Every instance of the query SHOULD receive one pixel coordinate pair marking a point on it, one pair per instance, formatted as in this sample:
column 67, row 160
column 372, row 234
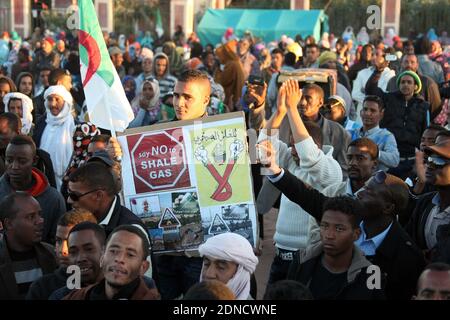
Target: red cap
column 50, row 40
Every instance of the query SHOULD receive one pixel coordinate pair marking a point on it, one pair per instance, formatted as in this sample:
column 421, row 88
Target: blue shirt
column 370, row 246
column 388, row 155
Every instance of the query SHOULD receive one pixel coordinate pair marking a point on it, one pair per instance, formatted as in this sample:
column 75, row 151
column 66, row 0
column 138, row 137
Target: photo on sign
column 145, row 207
column 229, row 218
column 158, row 161
column 221, row 164
column 175, row 224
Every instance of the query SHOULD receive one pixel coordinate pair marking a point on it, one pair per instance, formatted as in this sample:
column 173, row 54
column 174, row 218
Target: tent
column 268, row 25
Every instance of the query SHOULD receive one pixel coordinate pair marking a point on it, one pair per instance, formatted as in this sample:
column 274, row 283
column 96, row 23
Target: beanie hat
column 50, row 41
column 415, row 77
column 327, row 56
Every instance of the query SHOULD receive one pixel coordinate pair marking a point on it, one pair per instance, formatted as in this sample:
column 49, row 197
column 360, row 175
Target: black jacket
column 306, row 261
column 42, row 288
column 43, row 163
column 121, row 216
column 39, row 129
column 430, row 92
column 416, row 229
column 8, row 287
column 416, row 224
column 397, row 256
column 407, row 120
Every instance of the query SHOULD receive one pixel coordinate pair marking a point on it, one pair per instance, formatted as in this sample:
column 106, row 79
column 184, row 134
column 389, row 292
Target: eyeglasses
column 437, row 161
column 76, row 196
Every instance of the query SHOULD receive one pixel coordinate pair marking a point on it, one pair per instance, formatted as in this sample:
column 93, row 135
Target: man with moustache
column 86, row 244
column 335, row 268
column 430, row 222
column 382, row 239
column 42, row 288
column 23, row 257
column 123, row 264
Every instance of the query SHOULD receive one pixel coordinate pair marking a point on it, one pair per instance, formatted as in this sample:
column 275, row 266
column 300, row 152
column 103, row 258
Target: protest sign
column 190, row 180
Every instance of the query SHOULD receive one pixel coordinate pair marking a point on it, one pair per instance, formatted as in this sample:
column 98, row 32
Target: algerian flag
column 159, row 28
column 106, row 101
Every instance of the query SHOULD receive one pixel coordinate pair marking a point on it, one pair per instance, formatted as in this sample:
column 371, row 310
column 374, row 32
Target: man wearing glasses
column 430, row 223
column 382, row 239
column 92, row 187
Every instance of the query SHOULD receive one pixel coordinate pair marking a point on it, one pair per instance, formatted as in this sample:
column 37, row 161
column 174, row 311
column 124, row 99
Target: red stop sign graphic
column 159, row 162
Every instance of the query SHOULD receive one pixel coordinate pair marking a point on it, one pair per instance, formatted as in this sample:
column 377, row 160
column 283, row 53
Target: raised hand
column 293, row 94
column 258, row 93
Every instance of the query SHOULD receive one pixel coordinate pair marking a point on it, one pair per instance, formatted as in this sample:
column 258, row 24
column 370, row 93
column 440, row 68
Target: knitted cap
column 327, row 56
column 415, row 77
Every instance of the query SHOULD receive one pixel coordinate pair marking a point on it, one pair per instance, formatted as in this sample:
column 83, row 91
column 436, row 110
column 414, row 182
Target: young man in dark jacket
column 10, row 126
column 23, row 257
column 335, row 268
column 429, row 225
column 20, row 175
column 383, row 241
column 406, row 115
column 93, row 187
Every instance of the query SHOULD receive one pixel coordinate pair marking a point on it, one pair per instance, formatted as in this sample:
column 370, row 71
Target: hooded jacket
column 167, row 82
column 232, row 78
column 51, row 201
column 307, row 260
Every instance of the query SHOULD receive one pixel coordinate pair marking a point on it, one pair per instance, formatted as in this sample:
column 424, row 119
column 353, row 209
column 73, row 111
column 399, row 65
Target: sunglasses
column 76, row 197
column 437, row 162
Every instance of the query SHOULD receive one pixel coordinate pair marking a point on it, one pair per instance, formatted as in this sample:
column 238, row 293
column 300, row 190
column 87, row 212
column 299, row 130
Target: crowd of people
column 360, row 175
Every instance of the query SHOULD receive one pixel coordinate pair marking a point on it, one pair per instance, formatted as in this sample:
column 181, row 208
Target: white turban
column 61, row 91
column 235, row 248
column 57, row 138
column 27, row 108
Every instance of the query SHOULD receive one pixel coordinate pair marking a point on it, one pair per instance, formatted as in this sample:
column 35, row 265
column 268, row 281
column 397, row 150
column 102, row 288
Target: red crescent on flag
column 93, row 51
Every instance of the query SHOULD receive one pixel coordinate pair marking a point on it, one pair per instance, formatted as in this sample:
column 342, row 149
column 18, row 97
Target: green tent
column 268, row 25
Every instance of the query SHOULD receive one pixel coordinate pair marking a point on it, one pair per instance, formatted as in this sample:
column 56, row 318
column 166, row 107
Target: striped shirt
column 166, row 85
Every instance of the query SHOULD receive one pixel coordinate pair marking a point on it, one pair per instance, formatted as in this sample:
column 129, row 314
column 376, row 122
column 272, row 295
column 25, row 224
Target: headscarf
column 84, row 132
column 175, row 59
column 363, row 37
column 57, row 136
column 153, row 107
column 130, row 94
column 122, row 41
column 235, row 248
column 27, row 108
column 431, row 35
column 324, row 41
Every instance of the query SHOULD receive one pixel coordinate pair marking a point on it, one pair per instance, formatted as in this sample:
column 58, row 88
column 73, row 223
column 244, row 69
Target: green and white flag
column 106, row 101
column 159, row 27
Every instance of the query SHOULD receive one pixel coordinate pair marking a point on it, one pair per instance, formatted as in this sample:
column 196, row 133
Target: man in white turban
column 229, row 258
column 21, row 105
column 54, row 134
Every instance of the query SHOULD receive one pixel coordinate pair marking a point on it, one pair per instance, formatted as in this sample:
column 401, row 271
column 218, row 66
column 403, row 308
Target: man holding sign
column 177, row 273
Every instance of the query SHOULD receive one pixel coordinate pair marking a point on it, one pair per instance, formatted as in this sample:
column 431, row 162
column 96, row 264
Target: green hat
column 415, row 77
